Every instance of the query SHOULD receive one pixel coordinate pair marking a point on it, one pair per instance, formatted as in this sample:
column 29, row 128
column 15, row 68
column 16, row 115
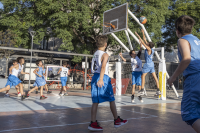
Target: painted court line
column 150, row 116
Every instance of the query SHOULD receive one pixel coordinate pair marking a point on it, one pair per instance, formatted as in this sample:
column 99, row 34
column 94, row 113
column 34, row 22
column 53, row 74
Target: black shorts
column 191, row 122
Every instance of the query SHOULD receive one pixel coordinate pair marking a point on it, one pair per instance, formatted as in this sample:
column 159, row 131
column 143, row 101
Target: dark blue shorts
column 136, row 78
column 191, row 122
column 104, row 93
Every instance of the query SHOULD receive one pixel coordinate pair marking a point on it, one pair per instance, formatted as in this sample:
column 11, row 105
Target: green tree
column 178, row 8
column 77, row 22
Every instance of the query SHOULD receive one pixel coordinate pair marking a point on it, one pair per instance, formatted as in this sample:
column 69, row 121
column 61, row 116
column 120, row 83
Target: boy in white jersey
column 20, row 61
column 189, row 56
column 101, row 87
column 136, row 65
column 64, row 72
column 13, row 79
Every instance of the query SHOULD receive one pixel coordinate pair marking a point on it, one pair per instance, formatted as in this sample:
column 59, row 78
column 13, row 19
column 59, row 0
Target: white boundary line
column 150, row 116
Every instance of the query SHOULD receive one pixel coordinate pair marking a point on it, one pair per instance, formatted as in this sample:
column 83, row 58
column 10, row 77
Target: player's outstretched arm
column 59, row 70
column 147, row 47
column 144, row 37
column 184, row 47
column 120, row 54
column 104, row 60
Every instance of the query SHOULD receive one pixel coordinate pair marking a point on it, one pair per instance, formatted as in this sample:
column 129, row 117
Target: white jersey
column 20, row 68
column 136, row 64
column 64, row 72
column 15, row 72
column 96, row 62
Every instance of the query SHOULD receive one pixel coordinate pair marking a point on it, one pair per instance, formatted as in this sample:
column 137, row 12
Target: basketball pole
column 116, row 38
column 149, row 39
column 128, row 38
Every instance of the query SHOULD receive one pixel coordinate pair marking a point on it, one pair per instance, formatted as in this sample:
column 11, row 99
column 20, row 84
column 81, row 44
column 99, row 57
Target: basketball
column 143, row 19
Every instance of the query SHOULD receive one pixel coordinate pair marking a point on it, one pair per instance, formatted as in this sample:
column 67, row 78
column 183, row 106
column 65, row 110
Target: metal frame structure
column 51, row 52
column 137, row 40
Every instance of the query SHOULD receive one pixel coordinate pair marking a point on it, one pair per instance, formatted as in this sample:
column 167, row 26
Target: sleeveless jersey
column 64, row 72
column 136, row 64
column 149, row 58
column 96, row 62
column 40, row 72
column 15, row 72
column 194, row 65
column 20, row 68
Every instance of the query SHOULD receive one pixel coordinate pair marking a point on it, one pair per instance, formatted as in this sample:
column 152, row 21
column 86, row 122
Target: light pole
column 32, row 35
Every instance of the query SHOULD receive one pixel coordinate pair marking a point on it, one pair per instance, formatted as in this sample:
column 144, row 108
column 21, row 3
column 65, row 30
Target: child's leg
column 17, row 88
column 113, row 109
column 46, row 87
column 35, row 88
column 21, row 88
column 5, row 88
column 196, row 126
column 133, row 89
column 41, row 90
column 94, row 111
column 143, row 79
column 156, row 79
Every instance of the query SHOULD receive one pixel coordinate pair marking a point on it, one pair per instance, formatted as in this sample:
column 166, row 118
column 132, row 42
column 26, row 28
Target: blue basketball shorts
column 148, row 69
column 63, row 81
column 190, row 105
column 40, row 81
column 13, row 81
column 136, row 77
column 103, row 94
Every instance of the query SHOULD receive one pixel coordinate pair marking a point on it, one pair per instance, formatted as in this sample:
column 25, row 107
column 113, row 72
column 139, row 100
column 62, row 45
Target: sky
column 1, row 5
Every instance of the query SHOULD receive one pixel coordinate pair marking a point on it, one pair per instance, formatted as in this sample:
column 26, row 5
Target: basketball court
column 72, row 114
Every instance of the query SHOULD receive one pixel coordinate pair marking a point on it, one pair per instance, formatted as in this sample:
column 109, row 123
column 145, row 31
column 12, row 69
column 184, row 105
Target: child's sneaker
column 60, row 94
column 140, row 99
column 48, row 92
column 65, row 94
column 119, row 122
column 132, row 99
column 23, row 97
column 42, row 97
column 94, row 126
column 27, row 96
column 141, row 92
column 158, row 93
column 19, row 94
column 6, row 95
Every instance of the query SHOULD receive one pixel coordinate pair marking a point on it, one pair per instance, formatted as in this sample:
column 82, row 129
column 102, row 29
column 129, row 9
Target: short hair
column 19, row 58
column 151, row 44
column 184, row 24
column 101, row 40
column 64, row 63
column 131, row 52
column 37, row 62
column 15, row 61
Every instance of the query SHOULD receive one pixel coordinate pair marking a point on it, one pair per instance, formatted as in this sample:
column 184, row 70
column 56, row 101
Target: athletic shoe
column 48, row 92
column 42, row 97
column 141, row 92
column 140, row 99
column 65, row 94
column 119, row 122
column 19, row 94
column 132, row 99
column 36, row 92
column 27, row 96
column 158, row 93
column 23, row 97
column 6, row 95
column 94, row 126
column 60, row 94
